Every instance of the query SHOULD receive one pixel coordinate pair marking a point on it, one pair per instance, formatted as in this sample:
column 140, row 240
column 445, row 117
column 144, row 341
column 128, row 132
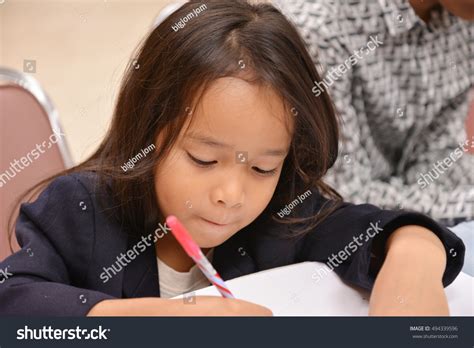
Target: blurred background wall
column 78, row 51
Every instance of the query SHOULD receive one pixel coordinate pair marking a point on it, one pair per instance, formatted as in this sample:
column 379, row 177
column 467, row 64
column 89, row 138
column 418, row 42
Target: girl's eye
column 210, row 163
column 265, row 172
column 199, row 162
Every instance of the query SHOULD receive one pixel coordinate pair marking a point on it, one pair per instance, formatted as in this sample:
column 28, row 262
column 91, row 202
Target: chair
column 28, row 122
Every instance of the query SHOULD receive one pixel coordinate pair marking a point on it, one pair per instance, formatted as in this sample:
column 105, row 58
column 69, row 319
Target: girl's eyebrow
column 210, row 141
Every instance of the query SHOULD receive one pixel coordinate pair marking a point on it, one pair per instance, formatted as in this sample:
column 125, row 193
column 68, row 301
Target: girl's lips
column 213, row 223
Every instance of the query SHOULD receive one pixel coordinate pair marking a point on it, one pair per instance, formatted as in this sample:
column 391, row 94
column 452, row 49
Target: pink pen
column 194, row 251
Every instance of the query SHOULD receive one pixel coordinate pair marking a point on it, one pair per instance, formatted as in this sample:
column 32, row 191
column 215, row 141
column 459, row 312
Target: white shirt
column 174, row 283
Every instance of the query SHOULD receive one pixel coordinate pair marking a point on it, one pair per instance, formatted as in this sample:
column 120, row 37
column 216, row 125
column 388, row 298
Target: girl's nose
column 230, row 193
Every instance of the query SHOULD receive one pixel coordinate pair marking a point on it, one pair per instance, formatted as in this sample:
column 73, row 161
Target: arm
column 203, row 306
column 48, row 275
column 362, row 173
column 404, row 258
column 410, row 280
column 357, row 173
column 440, row 160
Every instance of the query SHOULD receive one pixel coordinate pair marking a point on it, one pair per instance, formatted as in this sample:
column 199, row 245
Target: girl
column 223, row 92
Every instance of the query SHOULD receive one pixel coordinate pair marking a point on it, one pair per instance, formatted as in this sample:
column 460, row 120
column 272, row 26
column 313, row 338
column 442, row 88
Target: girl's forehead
column 236, row 107
column 234, row 96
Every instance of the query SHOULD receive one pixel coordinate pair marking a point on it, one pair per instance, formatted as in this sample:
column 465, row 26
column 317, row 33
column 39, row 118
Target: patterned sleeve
column 357, row 173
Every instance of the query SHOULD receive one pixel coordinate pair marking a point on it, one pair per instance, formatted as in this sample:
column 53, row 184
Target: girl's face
column 223, row 170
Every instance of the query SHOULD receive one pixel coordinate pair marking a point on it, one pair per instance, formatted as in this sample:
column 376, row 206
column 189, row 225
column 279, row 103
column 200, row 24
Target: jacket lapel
column 231, row 259
column 141, row 275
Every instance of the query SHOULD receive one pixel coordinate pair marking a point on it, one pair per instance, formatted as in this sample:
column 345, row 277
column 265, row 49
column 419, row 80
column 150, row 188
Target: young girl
column 217, row 124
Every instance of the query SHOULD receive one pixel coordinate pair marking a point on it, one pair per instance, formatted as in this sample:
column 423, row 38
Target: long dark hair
column 171, row 72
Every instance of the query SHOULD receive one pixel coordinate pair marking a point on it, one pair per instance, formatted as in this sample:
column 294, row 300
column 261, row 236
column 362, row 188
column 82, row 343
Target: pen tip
column 170, row 219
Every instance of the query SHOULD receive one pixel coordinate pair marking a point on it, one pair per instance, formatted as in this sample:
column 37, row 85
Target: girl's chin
column 210, row 241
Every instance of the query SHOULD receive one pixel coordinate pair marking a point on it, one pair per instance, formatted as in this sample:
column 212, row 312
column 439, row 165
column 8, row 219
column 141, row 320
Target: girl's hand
column 219, row 306
column 200, row 306
column 410, row 280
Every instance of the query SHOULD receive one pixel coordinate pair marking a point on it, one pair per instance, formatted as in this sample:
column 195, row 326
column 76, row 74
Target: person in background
column 400, row 73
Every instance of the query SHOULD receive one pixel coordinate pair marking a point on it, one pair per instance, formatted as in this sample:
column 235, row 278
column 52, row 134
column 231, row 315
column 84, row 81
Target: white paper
column 293, row 291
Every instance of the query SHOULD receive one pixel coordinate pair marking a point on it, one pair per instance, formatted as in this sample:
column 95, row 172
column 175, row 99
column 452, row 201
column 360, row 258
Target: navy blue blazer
column 67, row 242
